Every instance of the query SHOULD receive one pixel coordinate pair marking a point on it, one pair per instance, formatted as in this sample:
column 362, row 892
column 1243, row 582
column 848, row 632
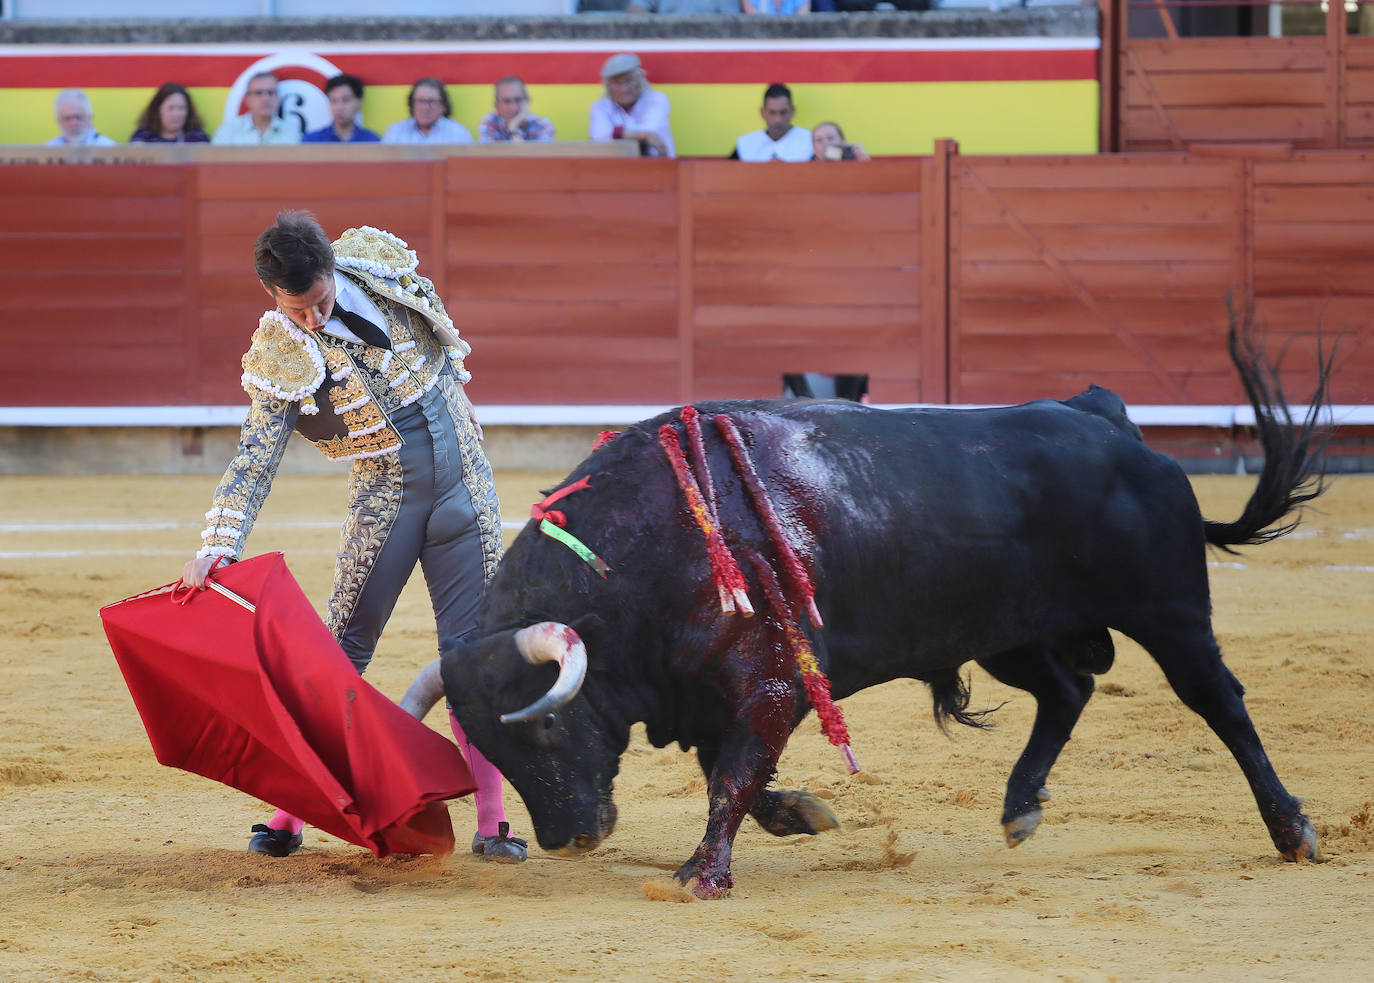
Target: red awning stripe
column 567, row 67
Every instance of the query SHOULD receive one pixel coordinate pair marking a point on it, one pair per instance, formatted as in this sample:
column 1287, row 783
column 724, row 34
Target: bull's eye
column 545, row 733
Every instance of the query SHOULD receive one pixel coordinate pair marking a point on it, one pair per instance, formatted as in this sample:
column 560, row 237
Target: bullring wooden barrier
column 1164, row 92
column 945, row 279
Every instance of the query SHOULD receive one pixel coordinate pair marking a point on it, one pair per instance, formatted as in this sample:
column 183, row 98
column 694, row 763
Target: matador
column 361, row 358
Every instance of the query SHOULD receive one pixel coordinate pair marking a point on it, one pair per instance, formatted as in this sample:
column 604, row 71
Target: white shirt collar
column 353, row 299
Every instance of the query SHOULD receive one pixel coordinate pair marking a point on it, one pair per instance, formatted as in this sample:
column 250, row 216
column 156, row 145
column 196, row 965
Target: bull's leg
column 1060, row 695
column 748, row 756
column 781, row 811
column 1192, row 664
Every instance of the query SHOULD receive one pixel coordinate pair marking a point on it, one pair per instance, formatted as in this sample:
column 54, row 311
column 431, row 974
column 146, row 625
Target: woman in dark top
column 170, row 117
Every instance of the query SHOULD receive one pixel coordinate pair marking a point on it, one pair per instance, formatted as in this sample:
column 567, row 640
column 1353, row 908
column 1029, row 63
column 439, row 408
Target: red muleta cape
column 266, row 701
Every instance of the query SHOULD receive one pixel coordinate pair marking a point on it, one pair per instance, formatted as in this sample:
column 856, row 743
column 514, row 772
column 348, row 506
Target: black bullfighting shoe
column 274, row 842
column 501, row 848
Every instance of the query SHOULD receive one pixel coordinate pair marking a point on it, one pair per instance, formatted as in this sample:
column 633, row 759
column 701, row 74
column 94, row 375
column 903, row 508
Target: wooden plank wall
column 94, row 285
column 563, row 276
column 1358, row 85
column 961, row 279
column 1313, row 257
column 1177, row 93
column 1113, row 270
column 811, row 269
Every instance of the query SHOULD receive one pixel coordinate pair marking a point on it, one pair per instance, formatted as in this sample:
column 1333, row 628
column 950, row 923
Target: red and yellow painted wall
column 896, row 97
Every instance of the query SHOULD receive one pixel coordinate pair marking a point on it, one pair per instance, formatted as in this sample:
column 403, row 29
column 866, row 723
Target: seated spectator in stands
column 683, row 7
column 345, row 94
column 630, row 110
column 779, row 139
column 828, row 143
column 170, row 117
column 261, row 124
column 74, row 116
column 429, row 117
column 775, row 6
column 511, row 119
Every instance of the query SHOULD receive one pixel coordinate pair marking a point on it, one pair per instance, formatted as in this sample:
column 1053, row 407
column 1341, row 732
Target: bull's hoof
column 708, row 890
column 1307, row 847
column 707, row 887
column 1018, row 830
column 1043, row 795
column 787, row 812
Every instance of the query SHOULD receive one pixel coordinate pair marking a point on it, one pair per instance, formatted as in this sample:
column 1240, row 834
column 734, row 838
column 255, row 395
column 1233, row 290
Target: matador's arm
column 248, row 479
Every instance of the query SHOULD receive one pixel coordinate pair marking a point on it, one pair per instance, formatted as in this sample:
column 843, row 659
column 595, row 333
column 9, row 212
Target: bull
column 1010, row 537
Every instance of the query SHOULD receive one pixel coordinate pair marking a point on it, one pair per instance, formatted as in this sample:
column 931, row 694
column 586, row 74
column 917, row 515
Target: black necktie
column 368, row 332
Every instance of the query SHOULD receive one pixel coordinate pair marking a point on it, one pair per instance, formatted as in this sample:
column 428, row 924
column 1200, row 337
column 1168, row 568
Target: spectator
column 630, row 110
column 779, row 140
column 261, row 124
column 345, row 94
column 170, row 117
column 429, row 117
column 683, row 7
column 512, row 119
column 828, row 142
column 74, row 116
column 776, row 6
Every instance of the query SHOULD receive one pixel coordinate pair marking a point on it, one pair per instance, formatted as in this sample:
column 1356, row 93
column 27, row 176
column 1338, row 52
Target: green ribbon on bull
column 554, row 531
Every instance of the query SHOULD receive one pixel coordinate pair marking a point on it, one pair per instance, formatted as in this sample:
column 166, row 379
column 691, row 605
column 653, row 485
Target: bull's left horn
column 424, row 692
column 550, row 641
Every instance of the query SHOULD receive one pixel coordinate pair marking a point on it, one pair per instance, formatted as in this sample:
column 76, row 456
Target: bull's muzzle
column 606, row 815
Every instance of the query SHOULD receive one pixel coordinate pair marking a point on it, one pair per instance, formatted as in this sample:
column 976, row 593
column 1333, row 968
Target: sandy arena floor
column 1152, row 862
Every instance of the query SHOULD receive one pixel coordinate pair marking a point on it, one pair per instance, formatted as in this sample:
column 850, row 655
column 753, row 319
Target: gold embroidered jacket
column 339, row 395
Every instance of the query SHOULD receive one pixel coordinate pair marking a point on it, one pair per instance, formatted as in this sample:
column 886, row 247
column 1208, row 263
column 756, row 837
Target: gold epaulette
column 374, row 251
column 283, row 362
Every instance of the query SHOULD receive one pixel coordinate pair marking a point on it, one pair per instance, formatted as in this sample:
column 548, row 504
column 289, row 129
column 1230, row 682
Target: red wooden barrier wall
column 959, row 279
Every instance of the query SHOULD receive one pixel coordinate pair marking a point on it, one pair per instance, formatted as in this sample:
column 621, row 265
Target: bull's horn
column 550, row 641
column 424, row 692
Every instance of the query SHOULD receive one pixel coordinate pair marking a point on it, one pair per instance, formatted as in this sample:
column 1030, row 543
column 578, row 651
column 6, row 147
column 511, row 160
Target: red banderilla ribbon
column 817, row 684
column 730, row 583
column 541, row 510
column 796, row 573
column 691, row 419
column 553, row 521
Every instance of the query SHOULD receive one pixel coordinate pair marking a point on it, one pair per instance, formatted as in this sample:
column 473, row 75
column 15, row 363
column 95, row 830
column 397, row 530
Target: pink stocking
column 490, row 809
column 284, row 820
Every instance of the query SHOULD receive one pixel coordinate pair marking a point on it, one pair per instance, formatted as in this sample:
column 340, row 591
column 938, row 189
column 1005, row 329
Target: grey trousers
column 431, row 501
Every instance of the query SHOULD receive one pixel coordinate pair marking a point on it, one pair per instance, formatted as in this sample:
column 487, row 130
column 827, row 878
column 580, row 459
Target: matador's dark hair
column 293, row 253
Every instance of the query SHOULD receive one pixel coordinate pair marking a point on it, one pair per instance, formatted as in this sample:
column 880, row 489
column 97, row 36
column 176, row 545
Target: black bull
column 1010, row 537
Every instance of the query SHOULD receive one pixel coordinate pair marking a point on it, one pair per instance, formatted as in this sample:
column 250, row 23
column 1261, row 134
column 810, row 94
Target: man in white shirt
column 630, row 110
column 261, row 124
column 429, row 117
column 779, row 140
column 74, row 116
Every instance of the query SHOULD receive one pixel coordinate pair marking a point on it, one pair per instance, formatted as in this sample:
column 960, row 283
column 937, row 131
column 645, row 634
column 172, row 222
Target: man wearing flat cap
column 631, row 110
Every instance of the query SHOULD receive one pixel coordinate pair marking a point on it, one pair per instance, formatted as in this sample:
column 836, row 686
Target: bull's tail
column 950, row 695
column 1294, row 471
